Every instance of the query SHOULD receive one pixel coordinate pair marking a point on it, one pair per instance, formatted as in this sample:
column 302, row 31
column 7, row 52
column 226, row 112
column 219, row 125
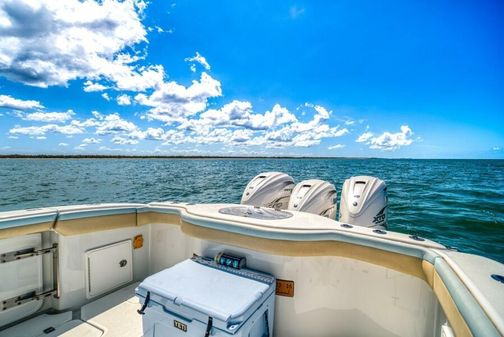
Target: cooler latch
column 209, row 327
column 141, row 311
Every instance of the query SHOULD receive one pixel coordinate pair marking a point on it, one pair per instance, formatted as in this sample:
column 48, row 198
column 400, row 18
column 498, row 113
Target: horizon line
column 102, row 156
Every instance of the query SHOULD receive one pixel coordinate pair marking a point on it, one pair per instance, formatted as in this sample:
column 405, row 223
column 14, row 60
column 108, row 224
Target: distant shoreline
column 48, row 156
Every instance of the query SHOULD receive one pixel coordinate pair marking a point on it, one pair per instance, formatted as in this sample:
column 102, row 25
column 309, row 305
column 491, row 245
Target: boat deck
column 114, row 315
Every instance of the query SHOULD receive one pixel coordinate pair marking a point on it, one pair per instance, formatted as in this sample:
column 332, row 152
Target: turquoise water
column 459, row 203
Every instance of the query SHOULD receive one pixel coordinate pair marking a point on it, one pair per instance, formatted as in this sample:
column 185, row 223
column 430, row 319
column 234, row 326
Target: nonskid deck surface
column 114, row 315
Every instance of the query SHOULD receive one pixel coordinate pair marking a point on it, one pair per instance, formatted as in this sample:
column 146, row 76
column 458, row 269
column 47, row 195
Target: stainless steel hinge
column 22, row 299
column 25, row 253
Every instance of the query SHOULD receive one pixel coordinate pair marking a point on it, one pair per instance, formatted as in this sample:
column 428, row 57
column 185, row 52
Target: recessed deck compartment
column 196, row 296
column 108, row 267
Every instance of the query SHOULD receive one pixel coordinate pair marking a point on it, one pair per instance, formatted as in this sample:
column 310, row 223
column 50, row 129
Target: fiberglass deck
column 114, row 315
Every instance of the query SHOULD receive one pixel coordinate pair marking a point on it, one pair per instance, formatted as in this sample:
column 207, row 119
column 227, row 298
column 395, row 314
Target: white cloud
column 366, row 136
column 277, row 116
column 388, row 141
column 128, row 78
column 300, row 134
column 392, row 141
column 113, row 124
column 47, row 43
column 97, row 115
column 124, row 140
column 91, row 141
column 49, row 117
column 123, row 100
column 10, row 102
column 106, row 96
column 234, row 113
column 91, row 87
column 63, row 144
column 35, row 131
column 235, row 123
column 240, row 114
column 337, row 146
column 123, row 131
column 198, row 59
column 172, row 100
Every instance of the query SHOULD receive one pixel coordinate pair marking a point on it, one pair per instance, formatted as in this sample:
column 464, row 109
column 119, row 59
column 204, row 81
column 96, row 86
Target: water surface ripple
column 459, row 203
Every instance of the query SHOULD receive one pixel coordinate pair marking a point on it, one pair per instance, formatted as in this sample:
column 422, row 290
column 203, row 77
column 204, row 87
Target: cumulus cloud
column 113, row 124
column 91, row 141
column 236, row 124
column 9, row 102
column 240, row 114
column 337, row 146
column 40, row 131
column 45, row 43
column 48, row 117
column 124, row 140
column 388, row 141
column 301, row 134
column 91, row 87
column 277, row 116
column 170, row 100
column 63, row 144
column 124, row 100
column 366, row 136
column 197, row 59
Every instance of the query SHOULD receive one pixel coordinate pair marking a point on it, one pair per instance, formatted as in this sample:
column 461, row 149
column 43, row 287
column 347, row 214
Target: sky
column 392, row 79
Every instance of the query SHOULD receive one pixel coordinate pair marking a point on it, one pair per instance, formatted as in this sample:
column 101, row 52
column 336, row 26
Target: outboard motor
column 314, row 196
column 269, row 189
column 364, row 202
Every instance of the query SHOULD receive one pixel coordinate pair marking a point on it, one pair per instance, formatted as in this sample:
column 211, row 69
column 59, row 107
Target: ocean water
column 459, row 203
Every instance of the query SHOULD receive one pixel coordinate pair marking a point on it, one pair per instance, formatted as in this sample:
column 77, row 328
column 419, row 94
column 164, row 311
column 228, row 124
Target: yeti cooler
column 198, row 297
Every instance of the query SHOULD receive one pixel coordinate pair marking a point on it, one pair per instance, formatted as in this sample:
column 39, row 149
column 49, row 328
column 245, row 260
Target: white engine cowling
column 364, row 202
column 314, row 196
column 269, row 189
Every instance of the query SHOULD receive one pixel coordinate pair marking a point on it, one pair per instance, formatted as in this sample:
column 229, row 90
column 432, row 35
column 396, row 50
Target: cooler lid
column 208, row 290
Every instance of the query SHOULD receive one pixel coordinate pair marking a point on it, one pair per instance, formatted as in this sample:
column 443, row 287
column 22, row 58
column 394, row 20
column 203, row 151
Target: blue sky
column 340, row 78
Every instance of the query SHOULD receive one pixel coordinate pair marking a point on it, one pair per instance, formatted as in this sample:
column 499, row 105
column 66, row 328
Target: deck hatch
column 108, row 267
